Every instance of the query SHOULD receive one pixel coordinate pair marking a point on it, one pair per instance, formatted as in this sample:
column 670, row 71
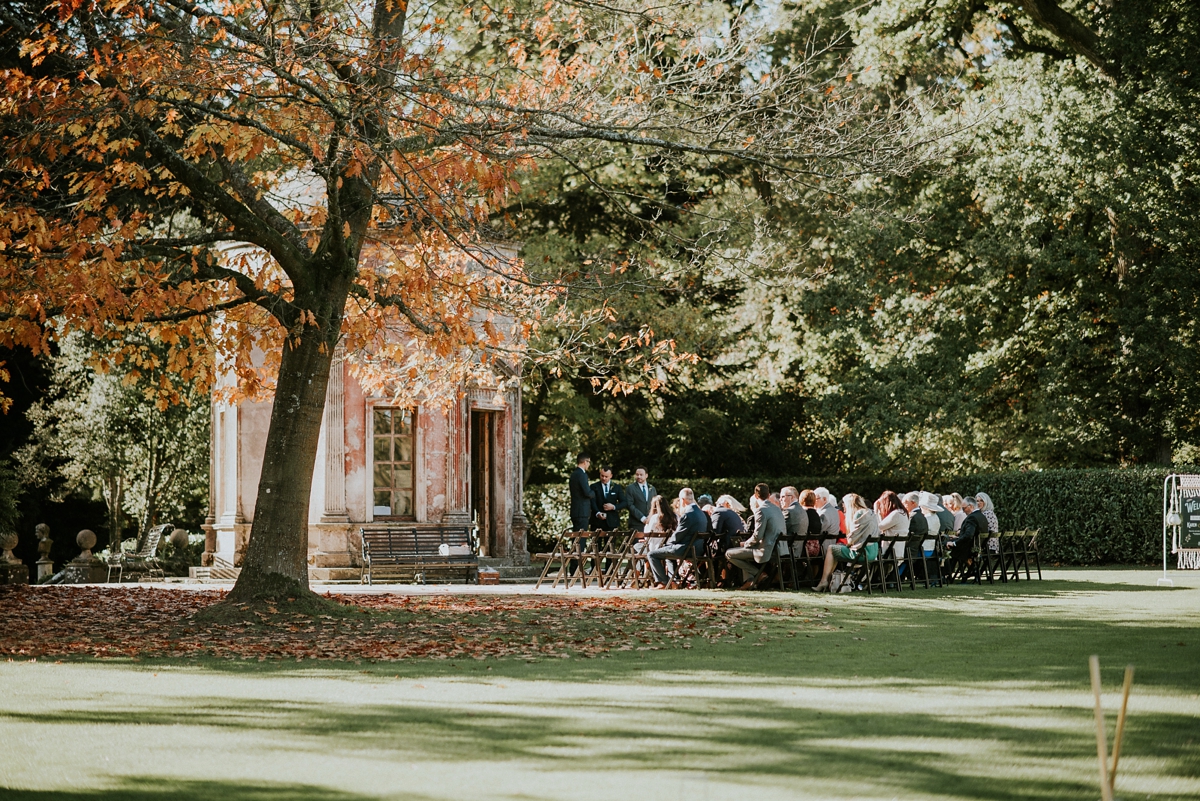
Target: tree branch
column 1051, row 17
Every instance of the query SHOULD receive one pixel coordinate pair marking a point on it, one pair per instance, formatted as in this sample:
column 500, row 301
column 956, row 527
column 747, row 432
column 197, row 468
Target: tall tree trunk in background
column 113, row 495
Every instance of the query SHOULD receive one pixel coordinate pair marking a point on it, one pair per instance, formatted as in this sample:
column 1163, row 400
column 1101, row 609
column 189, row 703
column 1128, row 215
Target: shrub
column 1099, row 516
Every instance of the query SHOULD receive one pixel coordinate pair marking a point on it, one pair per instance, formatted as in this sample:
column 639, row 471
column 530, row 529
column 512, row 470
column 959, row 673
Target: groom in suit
column 608, row 501
column 638, row 495
column 581, row 494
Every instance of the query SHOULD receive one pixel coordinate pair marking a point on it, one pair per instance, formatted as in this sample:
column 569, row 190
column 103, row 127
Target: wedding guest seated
column 830, row 519
column 705, row 502
column 727, row 521
column 692, row 524
column 758, row 549
column 808, row 499
column 953, row 504
column 728, row 529
column 944, row 515
column 795, row 515
column 988, row 510
column 933, row 513
column 893, row 519
column 660, row 521
column 918, row 524
column 985, row 507
column 862, row 545
column 974, row 525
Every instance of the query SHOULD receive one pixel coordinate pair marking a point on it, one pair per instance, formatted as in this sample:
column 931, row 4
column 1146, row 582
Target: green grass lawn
column 965, row 693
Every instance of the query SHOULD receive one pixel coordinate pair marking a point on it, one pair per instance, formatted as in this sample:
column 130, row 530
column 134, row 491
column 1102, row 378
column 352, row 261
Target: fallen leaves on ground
column 137, row 622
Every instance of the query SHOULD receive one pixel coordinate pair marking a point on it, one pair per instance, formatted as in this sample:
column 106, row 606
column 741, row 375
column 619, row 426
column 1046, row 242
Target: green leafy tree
column 1031, row 301
column 112, row 431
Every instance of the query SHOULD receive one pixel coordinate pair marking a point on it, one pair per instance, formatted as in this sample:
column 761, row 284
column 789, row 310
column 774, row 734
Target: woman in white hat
column 929, row 506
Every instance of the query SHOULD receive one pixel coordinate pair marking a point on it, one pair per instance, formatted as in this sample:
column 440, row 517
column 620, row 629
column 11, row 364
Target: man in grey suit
column 638, row 495
column 757, row 551
column 581, row 494
column 795, row 515
column 692, row 524
column 831, row 524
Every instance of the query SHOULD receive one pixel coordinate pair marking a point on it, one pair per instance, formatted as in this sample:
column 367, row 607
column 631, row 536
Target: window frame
column 412, row 462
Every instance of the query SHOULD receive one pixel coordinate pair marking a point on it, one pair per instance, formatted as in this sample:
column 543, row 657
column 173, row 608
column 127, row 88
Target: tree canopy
column 232, row 177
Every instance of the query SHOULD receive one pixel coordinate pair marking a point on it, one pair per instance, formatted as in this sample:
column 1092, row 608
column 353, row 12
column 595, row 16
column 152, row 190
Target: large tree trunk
column 277, row 554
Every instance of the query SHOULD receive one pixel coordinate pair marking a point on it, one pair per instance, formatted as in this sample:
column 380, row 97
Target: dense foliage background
column 1026, row 301
column 1016, row 315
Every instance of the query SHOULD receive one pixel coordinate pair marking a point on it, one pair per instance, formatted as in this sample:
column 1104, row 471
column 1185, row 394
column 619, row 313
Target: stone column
column 519, row 550
column 209, row 527
column 335, row 442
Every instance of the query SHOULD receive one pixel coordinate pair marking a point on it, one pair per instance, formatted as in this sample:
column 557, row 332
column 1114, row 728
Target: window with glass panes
column 393, row 475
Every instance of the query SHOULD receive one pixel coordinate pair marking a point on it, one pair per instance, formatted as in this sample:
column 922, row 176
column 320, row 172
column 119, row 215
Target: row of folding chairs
column 614, row 559
column 1006, row 555
column 618, row 560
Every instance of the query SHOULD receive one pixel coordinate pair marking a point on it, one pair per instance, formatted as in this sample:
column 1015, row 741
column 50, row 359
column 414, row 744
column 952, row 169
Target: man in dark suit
column 692, row 524
column 975, row 525
column 757, row 551
column 608, row 501
column 638, row 495
column 581, row 494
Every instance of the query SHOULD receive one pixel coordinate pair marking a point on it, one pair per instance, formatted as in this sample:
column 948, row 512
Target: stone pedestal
column 519, row 551
column 89, row 572
column 14, row 573
column 45, row 569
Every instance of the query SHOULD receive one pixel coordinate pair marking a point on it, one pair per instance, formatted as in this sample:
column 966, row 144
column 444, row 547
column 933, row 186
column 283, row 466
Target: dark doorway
column 483, row 480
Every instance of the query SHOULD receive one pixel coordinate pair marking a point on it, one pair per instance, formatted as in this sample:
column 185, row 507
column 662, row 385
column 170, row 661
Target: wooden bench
column 415, row 553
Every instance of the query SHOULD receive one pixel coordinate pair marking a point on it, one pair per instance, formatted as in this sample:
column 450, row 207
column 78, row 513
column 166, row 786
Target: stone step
column 221, row 574
column 334, row 574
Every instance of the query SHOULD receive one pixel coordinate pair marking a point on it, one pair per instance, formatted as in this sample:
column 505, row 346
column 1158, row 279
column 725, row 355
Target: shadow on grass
column 878, row 642
column 156, row 789
column 1029, row 756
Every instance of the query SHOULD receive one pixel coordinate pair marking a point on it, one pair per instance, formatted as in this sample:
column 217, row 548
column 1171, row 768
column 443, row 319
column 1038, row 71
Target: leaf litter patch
column 145, row 622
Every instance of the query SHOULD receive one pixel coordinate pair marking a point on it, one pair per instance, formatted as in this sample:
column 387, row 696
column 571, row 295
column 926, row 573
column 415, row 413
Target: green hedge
column 1086, row 517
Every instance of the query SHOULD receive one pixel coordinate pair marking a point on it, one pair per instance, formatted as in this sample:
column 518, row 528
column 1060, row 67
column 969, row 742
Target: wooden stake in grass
column 1116, row 755
column 1101, row 741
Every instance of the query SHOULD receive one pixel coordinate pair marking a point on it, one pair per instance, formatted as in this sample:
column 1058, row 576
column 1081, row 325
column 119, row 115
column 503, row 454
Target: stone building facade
column 377, row 465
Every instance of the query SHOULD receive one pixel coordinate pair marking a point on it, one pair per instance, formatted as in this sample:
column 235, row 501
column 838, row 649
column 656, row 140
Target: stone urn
column 8, row 541
column 86, row 540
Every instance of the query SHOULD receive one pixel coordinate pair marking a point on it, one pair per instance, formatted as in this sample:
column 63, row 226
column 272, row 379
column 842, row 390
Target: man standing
column 581, row 494
column 607, row 502
column 692, row 523
column 638, row 495
column 757, row 551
